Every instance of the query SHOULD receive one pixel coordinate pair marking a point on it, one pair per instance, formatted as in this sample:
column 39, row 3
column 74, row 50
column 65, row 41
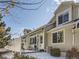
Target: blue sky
column 30, row 19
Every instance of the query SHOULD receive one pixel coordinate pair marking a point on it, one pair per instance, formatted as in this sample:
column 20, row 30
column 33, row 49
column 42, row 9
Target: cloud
column 59, row 1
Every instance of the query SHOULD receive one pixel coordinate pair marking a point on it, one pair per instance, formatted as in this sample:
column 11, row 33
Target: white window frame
column 63, row 37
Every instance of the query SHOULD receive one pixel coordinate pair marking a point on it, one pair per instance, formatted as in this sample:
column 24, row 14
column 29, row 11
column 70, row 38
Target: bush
column 26, row 57
column 55, row 52
column 70, row 54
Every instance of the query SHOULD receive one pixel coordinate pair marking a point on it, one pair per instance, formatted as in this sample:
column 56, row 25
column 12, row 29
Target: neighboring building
column 19, row 44
column 15, row 45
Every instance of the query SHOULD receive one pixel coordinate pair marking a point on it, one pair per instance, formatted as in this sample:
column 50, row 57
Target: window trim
column 63, row 37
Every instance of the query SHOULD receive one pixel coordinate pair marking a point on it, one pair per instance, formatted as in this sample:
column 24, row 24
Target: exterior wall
column 25, row 46
column 75, row 12
column 27, row 43
column 38, row 44
column 68, row 38
column 63, row 7
column 76, row 44
column 36, row 33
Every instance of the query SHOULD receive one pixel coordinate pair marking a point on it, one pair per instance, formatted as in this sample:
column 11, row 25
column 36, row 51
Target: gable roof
column 66, row 3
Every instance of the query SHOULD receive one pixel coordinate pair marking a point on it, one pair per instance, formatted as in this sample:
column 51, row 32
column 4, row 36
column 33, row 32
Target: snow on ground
column 43, row 55
column 29, row 51
column 38, row 55
column 9, row 55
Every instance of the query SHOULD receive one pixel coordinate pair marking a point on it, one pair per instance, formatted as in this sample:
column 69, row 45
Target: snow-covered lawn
column 38, row 55
column 28, row 51
column 9, row 55
column 43, row 55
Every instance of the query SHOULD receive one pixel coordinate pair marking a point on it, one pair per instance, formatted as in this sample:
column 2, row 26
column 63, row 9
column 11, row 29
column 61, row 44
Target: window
column 57, row 37
column 41, row 39
column 33, row 40
column 60, row 36
column 54, row 37
column 66, row 17
column 63, row 18
column 60, row 19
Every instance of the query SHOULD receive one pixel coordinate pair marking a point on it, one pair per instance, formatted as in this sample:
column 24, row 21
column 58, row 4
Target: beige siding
column 68, row 39
column 63, row 7
column 38, row 44
column 77, row 38
column 75, row 12
column 26, row 45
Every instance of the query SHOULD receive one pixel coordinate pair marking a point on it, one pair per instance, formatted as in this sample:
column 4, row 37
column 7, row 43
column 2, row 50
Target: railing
column 50, row 26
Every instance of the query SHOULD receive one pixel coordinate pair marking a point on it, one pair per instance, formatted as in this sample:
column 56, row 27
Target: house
column 64, row 33
column 36, row 39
